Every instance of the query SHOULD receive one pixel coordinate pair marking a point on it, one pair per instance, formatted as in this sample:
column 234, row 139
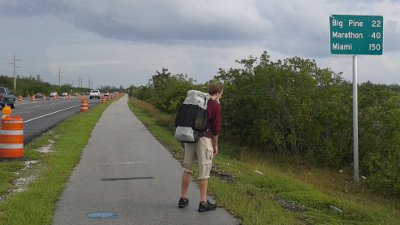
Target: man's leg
column 189, row 157
column 186, row 177
column 203, row 190
column 204, row 156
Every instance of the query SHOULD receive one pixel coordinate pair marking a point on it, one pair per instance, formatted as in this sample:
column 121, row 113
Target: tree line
column 294, row 107
column 34, row 84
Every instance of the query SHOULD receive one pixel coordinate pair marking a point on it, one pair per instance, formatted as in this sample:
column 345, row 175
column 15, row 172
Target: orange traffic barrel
column 33, row 98
column 84, row 105
column 103, row 99
column 20, row 98
column 12, row 137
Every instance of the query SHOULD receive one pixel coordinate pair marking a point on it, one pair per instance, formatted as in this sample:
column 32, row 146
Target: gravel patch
column 47, row 148
column 23, row 182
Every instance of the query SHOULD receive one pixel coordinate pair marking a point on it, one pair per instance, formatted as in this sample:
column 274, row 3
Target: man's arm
column 215, row 144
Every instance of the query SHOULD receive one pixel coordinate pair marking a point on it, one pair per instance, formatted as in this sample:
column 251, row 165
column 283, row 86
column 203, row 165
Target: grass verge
column 261, row 191
column 36, row 205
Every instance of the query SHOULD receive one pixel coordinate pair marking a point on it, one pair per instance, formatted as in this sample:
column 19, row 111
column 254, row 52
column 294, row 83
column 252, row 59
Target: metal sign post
column 355, row 121
column 356, row 35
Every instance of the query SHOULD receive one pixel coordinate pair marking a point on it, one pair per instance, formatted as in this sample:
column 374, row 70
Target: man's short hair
column 215, row 87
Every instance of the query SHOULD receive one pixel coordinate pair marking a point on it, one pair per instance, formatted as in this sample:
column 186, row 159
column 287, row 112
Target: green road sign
column 356, row 35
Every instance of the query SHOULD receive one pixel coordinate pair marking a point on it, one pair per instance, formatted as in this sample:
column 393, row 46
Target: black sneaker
column 208, row 206
column 183, row 202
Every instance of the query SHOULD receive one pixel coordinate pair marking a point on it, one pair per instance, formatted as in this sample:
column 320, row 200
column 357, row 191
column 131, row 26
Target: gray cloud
column 159, row 21
column 391, row 35
column 171, row 21
column 30, row 8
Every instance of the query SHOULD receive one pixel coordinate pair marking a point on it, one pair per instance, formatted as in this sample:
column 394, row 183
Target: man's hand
column 215, row 144
column 215, row 151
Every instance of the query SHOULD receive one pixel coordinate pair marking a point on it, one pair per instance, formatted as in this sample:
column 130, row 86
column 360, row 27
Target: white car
column 94, row 94
column 53, row 94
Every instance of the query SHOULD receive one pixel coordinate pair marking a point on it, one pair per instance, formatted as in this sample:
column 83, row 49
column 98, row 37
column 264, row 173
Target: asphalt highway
column 41, row 115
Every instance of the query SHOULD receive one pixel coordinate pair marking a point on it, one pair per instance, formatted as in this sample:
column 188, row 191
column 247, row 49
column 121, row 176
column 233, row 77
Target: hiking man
column 203, row 150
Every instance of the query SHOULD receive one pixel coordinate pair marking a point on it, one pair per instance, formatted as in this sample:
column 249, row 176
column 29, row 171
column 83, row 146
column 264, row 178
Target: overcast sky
column 124, row 42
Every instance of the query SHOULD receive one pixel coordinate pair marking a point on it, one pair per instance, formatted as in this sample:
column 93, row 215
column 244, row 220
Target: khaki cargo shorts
column 201, row 150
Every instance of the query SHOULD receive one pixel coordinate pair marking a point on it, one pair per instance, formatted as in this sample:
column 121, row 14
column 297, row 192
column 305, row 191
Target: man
column 203, row 150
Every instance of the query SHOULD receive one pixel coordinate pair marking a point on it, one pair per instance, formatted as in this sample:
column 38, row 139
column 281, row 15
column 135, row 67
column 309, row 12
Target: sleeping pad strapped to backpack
column 191, row 120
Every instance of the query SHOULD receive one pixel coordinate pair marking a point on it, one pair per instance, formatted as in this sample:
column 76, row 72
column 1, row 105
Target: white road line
column 35, row 106
column 48, row 114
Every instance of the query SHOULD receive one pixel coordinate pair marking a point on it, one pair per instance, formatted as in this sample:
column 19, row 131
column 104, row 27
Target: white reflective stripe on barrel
column 11, row 132
column 11, row 146
column 13, row 121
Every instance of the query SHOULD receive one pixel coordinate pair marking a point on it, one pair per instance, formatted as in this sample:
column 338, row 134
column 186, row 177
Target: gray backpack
column 191, row 120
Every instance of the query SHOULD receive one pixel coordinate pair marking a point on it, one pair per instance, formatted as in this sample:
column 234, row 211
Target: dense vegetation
column 165, row 91
column 292, row 106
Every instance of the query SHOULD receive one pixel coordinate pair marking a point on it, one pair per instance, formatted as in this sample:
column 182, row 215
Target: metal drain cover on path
column 102, row 215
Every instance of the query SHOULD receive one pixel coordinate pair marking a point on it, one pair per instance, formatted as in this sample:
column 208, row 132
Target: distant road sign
column 356, row 35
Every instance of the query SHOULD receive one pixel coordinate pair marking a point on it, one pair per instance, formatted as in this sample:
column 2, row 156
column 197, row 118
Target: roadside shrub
column 293, row 106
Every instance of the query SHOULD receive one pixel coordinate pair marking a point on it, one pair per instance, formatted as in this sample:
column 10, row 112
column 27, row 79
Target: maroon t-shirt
column 214, row 118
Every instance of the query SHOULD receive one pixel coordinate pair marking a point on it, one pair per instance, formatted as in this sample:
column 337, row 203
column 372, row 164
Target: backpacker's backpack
column 191, row 120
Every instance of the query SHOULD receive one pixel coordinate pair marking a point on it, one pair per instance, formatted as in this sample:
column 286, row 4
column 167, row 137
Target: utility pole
column 59, row 77
column 15, row 76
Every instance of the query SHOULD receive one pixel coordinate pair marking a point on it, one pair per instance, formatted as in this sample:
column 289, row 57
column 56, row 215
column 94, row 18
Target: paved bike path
column 125, row 176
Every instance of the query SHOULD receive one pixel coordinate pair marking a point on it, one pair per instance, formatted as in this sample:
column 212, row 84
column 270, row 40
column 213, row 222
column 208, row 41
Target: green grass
column 268, row 190
column 36, row 205
column 7, row 175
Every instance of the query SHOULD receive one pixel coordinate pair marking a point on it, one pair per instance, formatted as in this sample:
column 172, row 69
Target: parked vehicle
column 64, row 94
column 53, row 94
column 6, row 97
column 39, row 95
column 94, row 94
